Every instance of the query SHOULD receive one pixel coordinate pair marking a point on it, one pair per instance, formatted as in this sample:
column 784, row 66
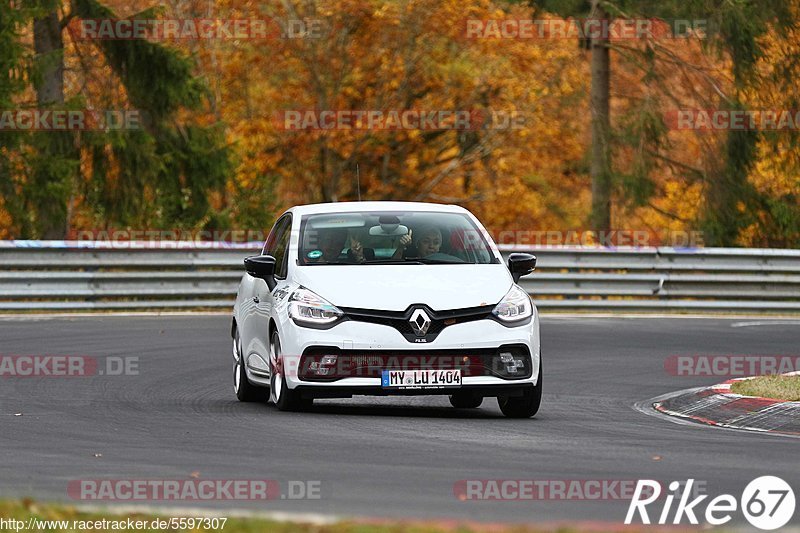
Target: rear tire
column 524, row 406
column 285, row 399
column 245, row 391
column 466, row 400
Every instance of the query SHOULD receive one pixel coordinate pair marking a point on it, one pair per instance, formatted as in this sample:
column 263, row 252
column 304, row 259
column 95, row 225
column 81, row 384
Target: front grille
column 400, row 320
column 371, row 363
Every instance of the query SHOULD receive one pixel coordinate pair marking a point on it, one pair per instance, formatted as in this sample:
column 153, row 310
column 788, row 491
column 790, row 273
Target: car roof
column 343, row 207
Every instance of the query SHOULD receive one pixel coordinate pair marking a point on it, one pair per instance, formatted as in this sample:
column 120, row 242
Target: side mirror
column 263, row 267
column 521, row 265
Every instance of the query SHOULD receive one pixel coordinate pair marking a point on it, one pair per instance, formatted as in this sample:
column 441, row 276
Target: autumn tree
column 402, row 57
column 159, row 173
column 737, row 30
column 212, row 152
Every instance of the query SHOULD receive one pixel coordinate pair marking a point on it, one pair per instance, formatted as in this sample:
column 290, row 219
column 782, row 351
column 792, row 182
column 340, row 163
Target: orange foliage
column 378, row 55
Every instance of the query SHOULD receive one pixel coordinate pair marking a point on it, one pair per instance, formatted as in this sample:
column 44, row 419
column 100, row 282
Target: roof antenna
column 358, row 182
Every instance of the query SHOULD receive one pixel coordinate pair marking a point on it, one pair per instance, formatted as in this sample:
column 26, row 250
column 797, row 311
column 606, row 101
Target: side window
column 278, row 245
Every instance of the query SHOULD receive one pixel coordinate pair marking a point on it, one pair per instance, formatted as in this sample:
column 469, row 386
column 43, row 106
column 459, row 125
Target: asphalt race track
column 385, row 457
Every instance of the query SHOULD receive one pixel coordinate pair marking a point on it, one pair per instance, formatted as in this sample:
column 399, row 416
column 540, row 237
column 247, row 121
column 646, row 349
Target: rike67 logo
column 767, row 503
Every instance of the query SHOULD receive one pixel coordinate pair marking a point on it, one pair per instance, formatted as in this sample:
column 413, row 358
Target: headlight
column 515, row 306
column 306, row 306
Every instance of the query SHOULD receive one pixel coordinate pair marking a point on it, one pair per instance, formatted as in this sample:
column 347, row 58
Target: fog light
column 516, row 367
column 324, row 365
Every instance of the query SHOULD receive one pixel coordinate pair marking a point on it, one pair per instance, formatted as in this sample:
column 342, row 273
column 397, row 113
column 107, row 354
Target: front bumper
column 353, row 337
column 508, row 362
column 487, row 391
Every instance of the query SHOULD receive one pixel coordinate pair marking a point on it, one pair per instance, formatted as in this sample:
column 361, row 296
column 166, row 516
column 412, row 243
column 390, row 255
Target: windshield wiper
column 394, row 262
column 429, row 261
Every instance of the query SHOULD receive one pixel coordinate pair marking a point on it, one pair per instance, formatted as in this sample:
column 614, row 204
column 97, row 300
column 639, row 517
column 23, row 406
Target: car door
column 256, row 322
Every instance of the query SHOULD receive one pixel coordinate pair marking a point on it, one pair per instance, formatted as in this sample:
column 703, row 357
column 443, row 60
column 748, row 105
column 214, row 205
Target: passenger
column 331, row 241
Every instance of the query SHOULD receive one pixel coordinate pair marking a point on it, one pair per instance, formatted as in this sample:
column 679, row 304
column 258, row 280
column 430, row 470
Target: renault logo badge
column 420, row 322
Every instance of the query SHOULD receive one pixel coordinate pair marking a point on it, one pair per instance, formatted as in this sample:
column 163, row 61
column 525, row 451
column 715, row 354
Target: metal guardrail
column 65, row 276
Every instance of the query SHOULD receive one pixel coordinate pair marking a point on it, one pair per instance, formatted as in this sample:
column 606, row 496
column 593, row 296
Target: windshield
column 392, row 238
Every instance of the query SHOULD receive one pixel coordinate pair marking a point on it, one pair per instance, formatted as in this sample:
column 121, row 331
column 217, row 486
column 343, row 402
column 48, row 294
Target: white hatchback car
column 385, row 298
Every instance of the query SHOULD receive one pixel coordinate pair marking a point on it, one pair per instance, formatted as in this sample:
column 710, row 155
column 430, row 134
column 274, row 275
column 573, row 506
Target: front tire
column 284, row 398
column 245, row 391
column 524, row 406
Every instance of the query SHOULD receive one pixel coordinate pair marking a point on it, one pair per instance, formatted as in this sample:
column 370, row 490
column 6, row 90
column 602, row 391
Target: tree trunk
column 49, row 46
column 54, row 168
column 600, row 168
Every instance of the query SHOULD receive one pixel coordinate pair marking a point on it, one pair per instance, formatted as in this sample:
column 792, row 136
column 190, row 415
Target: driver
column 427, row 241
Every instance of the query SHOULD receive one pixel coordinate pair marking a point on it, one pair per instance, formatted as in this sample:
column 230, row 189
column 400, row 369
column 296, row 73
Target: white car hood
column 396, row 287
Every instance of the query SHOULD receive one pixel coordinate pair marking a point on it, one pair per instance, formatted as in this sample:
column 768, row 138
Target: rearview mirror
column 521, row 265
column 388, row 230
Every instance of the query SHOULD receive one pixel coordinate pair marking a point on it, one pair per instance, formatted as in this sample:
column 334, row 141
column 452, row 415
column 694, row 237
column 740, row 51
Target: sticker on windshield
column 314, row 254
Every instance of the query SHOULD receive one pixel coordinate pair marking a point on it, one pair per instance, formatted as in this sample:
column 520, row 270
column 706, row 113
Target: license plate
column 420, row 379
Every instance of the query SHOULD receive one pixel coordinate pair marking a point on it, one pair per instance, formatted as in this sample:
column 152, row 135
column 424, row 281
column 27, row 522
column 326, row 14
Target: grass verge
column 777, row 386
column 29, row 515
